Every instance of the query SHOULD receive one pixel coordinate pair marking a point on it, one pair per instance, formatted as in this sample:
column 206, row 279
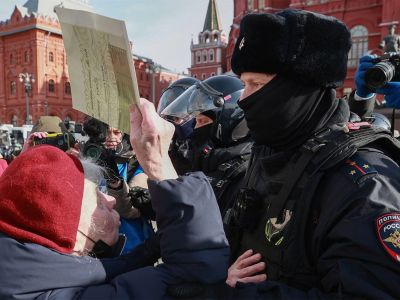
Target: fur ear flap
column 303, row 45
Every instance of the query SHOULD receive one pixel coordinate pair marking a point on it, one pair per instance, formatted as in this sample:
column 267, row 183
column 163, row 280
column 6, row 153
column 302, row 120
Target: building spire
column 213, row 20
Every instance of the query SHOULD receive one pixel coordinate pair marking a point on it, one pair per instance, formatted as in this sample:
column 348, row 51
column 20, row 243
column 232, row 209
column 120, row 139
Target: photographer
column 108, row 147
column 383, row 79
column 52, row 131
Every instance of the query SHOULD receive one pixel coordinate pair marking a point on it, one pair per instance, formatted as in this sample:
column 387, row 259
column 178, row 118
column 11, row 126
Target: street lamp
column 27, row 79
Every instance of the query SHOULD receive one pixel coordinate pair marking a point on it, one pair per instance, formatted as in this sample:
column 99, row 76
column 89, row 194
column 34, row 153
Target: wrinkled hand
column 29, row 141
column 391, row 90
column 366, row 62
column 245, row 268
column 150, row 138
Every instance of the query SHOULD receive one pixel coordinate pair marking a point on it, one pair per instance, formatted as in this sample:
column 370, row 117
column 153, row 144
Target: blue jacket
column 193, row 248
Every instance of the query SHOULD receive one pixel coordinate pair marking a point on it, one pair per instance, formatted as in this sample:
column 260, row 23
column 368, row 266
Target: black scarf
column 283, row 114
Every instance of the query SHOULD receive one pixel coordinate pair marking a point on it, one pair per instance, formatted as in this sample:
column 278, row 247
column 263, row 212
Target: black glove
column 140, row 199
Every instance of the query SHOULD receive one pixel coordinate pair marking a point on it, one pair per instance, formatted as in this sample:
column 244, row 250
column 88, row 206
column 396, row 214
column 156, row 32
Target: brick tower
column 208, row 56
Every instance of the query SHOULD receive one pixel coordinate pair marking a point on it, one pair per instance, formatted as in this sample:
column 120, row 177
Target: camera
column 63, row 141
column 386, row 68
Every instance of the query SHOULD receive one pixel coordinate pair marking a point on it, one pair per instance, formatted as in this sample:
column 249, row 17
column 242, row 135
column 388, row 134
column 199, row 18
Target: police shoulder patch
column 388, row 230
column 356, row 168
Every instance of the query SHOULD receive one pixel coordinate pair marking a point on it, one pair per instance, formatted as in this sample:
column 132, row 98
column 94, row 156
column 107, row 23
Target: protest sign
column 100, row 66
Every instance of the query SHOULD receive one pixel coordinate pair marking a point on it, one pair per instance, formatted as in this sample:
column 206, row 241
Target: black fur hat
column 298, row 44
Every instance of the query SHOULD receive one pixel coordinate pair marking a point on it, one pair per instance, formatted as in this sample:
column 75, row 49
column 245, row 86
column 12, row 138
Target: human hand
column 150, row 138
column 29, row 141
column 245, row 268
column 391, row 90
column 366, row 62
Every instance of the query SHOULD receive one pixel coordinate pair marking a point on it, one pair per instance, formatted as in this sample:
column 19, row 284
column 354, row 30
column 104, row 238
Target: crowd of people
column 260, row 186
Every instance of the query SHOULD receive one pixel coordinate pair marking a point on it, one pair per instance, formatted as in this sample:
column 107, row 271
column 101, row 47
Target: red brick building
column 368, row 21
column 209, row 54
column 31, row 42
column 152, row 78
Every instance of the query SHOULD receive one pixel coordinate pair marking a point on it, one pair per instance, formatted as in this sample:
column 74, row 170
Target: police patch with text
column 388, row 229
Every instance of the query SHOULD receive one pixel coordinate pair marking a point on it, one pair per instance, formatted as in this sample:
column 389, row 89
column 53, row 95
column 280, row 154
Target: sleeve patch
column 388, row 230
column 356, row 168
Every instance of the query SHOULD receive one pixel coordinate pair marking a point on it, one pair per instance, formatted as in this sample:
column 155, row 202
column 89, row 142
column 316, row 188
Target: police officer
column 320, row 211
column 218, row 143
column 183, row 130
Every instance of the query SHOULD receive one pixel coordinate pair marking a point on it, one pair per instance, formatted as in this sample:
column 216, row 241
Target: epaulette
column 356, row 168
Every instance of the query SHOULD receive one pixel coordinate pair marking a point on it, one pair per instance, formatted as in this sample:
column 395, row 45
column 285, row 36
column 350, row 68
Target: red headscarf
column 41, row 195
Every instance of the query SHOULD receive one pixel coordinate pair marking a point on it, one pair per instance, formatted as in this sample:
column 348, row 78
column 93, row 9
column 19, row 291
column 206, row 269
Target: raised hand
column 150, row 138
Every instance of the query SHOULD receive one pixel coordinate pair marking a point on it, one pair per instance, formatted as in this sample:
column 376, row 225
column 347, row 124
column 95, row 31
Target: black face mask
column 202, row 135
column 185, row 130
column 283, row 114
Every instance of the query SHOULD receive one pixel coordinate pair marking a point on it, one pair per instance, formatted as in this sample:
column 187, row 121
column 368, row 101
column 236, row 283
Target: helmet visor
column 168, row 96
column 195, row 100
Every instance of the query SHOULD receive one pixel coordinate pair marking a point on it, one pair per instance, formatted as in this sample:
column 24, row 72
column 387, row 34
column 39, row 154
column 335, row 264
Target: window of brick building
column 52, row 87
column 13, row 88
column 12, row 59
column 261, row 4
column 198, row 57
column 27, row 57
column 51, row 57
column 67, row 88
column 211, row 55
column 250, row 4
column 205, row 54
column 203, row 76
column 359, row 37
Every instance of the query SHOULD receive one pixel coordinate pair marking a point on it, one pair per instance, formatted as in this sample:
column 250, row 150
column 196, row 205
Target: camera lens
column 93, row 152
column 379, row 75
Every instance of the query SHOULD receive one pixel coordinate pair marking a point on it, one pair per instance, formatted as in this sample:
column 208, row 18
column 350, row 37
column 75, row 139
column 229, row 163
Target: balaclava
column 284, row 113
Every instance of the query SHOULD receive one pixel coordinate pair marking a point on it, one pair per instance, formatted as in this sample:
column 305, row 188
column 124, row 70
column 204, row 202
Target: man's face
column 99, row 220
column 114, row 137
column 253, row 82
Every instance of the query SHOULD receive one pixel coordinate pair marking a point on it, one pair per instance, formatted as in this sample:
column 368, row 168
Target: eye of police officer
column 253, row 82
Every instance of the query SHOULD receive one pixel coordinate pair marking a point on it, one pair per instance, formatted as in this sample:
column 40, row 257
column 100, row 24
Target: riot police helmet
column 206, row 95
column 174, row 90
column 216, row 98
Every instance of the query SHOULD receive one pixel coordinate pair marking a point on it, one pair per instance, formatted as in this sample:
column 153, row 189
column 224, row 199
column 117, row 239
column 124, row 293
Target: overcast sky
column 160, row 29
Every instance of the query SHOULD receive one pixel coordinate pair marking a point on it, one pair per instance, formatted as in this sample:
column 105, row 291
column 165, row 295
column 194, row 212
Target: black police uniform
column 225, row 169
column 338, row 234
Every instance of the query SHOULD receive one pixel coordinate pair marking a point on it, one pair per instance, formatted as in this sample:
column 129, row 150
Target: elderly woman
column 53, row 216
